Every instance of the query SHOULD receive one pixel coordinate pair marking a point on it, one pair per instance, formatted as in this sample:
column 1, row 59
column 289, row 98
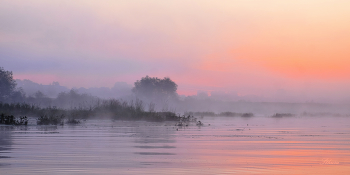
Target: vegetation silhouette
column 50, row 120
column 11, row 120
column 280, row 115
column 74, row 106
column 226, row 114
column 155, row 89
column 114, row 109
column 8, row 90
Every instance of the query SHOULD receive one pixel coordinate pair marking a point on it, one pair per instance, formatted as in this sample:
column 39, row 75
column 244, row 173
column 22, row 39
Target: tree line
column 148, row 89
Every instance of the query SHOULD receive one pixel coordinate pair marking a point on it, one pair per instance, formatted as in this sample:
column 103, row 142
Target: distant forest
column 30, row 88
column 156, row 94
column 151, row 90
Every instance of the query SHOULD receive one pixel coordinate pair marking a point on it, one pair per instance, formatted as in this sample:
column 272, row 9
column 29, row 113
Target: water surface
column 229, row 145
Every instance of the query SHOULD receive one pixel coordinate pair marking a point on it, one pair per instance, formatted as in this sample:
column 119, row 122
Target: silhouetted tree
column 7, row 84
column 17, row 96
column 39, row 99
column 39, row 95
column 74, row 99
column 155, row 89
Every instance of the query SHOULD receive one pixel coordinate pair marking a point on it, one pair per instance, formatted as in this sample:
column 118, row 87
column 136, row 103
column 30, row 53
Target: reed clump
column 115, row 109
column 185, row 120
column 50, row 120
column 225, row 114
column 73, row 121
column 11, row 120
column 280, row 115
column 247, row 115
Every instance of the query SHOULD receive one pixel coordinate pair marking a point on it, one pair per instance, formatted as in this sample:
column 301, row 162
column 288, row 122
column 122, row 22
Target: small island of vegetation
column 86, row 106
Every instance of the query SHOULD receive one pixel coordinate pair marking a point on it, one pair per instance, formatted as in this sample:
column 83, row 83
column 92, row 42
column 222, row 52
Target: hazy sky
column 298, row 49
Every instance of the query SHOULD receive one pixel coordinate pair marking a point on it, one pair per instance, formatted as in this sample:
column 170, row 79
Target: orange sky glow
column 248, row 46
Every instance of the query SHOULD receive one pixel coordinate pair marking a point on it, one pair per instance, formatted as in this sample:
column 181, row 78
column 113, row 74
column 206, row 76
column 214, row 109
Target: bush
column 247, row 115
column 280, row 115
column 73, row 121
column 50, row 120
column 11, row 120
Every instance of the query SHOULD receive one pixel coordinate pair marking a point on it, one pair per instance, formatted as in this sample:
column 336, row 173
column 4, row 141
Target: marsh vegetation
column 11, row 120
column 226, row 114
column 150, row 102
column 113, row 109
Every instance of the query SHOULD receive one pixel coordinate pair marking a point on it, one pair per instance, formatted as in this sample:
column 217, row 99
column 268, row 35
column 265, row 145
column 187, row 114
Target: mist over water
column 153, row 130
column 45, row 95
column 174, row 87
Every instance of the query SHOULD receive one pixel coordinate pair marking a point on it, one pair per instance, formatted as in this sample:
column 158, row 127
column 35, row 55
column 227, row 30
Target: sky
column 292, row 50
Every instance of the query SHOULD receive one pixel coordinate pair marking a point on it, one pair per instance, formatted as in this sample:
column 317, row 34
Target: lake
column 224, row 145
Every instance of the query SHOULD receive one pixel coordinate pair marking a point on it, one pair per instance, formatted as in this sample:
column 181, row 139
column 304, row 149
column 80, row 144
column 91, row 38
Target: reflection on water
column 256, row 145
column 5, row 143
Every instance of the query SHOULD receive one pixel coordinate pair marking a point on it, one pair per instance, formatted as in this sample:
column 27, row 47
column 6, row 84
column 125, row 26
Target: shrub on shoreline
column 11, row 120
column 73, row 121
column 115, row 109
column 225, row 114
column 280, row 115
column 50, row 120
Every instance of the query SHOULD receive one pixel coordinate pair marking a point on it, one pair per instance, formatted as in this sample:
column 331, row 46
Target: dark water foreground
column 256, row 145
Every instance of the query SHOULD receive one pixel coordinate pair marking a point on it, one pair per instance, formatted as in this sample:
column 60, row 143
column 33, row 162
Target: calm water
column 230, row 145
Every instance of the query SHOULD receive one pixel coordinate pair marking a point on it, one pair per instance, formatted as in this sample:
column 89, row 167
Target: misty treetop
column 153, row 88
column 8, row 86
